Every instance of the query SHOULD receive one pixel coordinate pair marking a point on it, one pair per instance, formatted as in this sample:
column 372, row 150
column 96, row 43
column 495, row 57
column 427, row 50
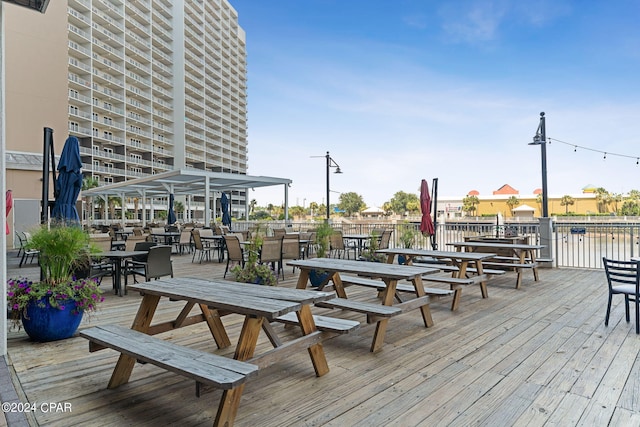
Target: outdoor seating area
column 536, row 354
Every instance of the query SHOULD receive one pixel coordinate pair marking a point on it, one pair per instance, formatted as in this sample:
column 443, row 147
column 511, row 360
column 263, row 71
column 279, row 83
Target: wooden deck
column 539, row 355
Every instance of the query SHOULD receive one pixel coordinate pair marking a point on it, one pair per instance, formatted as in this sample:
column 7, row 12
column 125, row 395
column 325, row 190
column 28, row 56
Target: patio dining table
column 523, row 255
column 258, row 304
column 390, row 275
column 116, row 258
column 461, row 260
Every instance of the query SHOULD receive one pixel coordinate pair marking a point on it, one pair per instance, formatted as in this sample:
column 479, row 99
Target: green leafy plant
column 253, row 271
column 323, row 234
column 370, row 254
column 407, row 235
column 63, row 249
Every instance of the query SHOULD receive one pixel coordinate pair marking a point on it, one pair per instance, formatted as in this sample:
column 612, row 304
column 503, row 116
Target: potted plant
column 370, row 254
column 406, row 237
column 253, row 271
column 323, row 235
column 52, row 308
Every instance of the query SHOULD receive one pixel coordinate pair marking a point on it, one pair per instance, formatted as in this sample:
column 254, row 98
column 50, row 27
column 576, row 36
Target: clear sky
column 400, row 90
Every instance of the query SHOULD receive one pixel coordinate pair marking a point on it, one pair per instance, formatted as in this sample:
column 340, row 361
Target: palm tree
column 178, row 207
column 603, row 198
column 88, row 183
column 113, row 202
column 512, row 202
column 616, row 198
column 470, row 203
column 566, row 201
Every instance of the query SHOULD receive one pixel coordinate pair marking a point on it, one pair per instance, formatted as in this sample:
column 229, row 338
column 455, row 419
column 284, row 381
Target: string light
column 604, row 153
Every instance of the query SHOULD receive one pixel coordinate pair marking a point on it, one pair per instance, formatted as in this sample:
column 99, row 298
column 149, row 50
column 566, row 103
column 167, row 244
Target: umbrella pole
column 48, row 153
column 434, row 202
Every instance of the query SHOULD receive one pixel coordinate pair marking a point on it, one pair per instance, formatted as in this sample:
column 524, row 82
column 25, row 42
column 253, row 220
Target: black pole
column 543, row 147
column 434, row 201
column 328, row 170
column 47, row 154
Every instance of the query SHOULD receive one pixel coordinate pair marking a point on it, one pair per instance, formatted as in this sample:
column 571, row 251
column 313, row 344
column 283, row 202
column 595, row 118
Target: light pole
column 540, row 139
column 330, row 164
column 546, row 223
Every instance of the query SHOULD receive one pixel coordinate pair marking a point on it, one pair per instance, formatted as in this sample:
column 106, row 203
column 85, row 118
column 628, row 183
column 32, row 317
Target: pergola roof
column 183, row 181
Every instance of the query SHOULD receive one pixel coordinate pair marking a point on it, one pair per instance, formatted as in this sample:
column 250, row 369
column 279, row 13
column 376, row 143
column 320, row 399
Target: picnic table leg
column 521, row 257
column 457, row 289
column 426, row 311
column 337, row 284
column 381, row 326
column 316, row 351
column 230, row 400
column 483, row 284
column 532, row 256
column 141, row 323
column 303, row 278
column 216, row 327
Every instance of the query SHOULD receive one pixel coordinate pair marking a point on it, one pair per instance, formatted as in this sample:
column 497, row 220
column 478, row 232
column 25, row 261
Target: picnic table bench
column 205, row 368
column 400, row 287
column 259, row 304
column 390, row 274
column 458, row 264
column 521, row 256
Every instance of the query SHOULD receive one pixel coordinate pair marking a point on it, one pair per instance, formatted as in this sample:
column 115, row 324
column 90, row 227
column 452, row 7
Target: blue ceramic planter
column 49, row 323
column 316, row 278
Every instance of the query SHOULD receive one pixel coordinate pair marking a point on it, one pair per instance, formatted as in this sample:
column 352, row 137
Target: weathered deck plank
column 539, row 355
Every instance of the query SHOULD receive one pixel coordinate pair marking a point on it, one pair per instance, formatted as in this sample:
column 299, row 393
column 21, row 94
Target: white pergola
column 188, row 182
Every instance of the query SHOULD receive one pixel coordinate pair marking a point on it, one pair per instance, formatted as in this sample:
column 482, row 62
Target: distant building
column 147, row 86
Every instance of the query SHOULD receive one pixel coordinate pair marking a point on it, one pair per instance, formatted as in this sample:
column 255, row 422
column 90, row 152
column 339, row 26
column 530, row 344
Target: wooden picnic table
column 460, row 260
column 523, row 255
column 389, row 273
column 259, row 304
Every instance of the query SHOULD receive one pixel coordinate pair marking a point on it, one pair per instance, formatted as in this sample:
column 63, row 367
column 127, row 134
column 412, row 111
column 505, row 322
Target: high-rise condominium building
column 147, row 86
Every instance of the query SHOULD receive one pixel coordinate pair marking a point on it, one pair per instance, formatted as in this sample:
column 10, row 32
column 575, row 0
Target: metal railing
column 576, row 244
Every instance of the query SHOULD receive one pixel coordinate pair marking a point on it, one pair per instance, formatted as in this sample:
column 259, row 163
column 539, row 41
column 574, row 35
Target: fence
column 575, row 243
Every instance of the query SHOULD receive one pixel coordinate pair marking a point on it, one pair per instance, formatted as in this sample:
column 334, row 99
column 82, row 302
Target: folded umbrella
column 69, row 182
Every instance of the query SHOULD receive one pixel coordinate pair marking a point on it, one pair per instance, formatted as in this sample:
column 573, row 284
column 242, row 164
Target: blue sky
column 400, row 90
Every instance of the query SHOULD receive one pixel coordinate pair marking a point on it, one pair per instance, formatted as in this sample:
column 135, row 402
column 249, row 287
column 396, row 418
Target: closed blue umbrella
column 171, row 217
column 69, row 182
column 224, row 203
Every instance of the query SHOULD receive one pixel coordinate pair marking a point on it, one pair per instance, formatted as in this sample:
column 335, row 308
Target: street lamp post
column 540, row 139
column 546, row 223
column 330, row 164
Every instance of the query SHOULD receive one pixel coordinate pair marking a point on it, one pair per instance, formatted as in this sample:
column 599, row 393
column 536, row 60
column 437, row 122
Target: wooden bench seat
column 487, row 271
column 512, row 264
column 204, row 368
column 440, row 266
column 367, row 308
column 323, row 323
column 451, row 280
column 455, row 284
column 380, row 285
column 518, row 268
